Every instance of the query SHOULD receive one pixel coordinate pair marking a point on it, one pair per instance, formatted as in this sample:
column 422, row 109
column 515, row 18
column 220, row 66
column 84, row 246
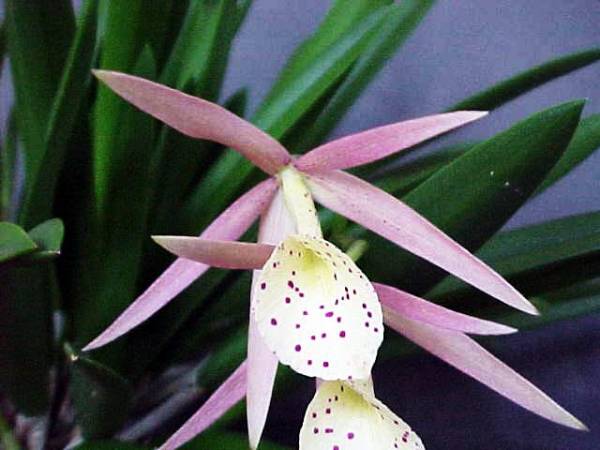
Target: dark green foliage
column 111, row 176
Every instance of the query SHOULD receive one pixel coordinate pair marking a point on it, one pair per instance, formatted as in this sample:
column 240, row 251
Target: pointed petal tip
column 162, row 240
column 529, row 308
column 96, row 343
column 501, row 329
column 102, row 75
column 579, row 425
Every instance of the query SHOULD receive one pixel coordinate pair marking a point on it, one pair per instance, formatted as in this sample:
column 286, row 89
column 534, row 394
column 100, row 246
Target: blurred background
column 460, row 48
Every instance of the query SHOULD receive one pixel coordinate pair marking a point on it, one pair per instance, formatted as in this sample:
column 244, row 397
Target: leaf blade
column 523, row 82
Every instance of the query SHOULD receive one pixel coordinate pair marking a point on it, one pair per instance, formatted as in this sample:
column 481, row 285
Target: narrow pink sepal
column 466, row 355
column 397, row 302
column 387, row 216
column 230, row 225
column 199, row 119
column 275, row 225
column 222, row 400
column 223, row 254
column 377, row 143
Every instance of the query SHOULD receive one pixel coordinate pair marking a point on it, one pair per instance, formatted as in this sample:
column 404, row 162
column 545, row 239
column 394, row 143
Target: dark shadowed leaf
column 230, row 441
column 8, row 178
column 114, row 261
column 14, row 242
column 26, row 346
column 65, row 107
column 39, row 34
column 101, row 396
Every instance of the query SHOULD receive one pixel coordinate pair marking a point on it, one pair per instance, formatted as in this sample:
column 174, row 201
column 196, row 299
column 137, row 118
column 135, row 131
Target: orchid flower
column 311, row 306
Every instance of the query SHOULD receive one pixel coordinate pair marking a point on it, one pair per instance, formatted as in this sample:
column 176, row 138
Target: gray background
column 461, row 47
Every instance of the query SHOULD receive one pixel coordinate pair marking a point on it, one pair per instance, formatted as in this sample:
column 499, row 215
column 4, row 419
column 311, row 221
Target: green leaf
column 7, row 438
column 511, row 88
column 8, row 159
column 113, row 265
column 401, row 20
column 290, row 101
column 567, row 303
column 237, row 103
column 229, row 441
column 48, row 236
column 531, row 250
column 14, row 242
column 65, row 107
column 340, row 19
column 38, row 35
column 26, row 344
column 122, row 41
column 202, row 48
column 224, row 360
column 401, row 180
column 585, row 141
column 101, row 396
column 485, row 186
column 197, row 65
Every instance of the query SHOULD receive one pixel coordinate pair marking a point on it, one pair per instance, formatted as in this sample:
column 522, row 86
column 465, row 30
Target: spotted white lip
column 342, row 416
column 317, row 311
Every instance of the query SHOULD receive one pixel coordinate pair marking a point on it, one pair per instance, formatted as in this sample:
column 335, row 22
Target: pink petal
column 377, row 143
column 223, row 254
column 275, row 225
column 199, row 119
column 397, row 302
column 223, row 399
column 230, row 225
column 466, row 355
column 387, row 216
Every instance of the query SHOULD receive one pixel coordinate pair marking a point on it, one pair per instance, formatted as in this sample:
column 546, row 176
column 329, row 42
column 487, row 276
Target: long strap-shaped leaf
column 418, row 309
column 230, row 225
column 469, row 357
column 275, row 225
column 385, row 215
column 229, row 393
column 199, row 119
column 377, row 143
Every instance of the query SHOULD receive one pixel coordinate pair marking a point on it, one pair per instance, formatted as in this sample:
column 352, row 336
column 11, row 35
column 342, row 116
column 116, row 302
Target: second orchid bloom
column 312, row 308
